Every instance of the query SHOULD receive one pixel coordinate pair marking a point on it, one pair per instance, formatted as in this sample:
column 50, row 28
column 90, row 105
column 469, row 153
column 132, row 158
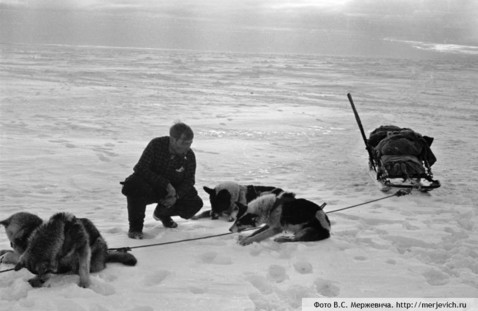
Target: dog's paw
column 84, row 284
column 36, row 282
column 283, row 239
column 245, row 241
column 3, row 255
column 4, row 251
column 8, row 256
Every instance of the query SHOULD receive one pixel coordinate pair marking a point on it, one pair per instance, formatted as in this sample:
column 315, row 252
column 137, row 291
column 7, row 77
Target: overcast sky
column 296, row 26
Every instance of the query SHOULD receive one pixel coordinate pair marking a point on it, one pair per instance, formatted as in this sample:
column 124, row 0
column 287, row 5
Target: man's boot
column 164, row 214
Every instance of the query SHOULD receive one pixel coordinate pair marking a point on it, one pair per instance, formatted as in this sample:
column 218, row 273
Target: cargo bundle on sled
column 399, row 157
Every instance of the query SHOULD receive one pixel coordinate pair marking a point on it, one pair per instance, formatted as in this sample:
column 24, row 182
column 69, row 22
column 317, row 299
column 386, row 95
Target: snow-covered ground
column 74, row 121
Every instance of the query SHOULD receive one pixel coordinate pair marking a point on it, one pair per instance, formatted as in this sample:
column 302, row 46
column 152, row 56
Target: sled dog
column 224, row 196
column 19, row 228
column 283, row 213
column 63, row 244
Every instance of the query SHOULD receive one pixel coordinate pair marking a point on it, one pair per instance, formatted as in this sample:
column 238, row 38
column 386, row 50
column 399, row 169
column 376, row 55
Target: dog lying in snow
column 224, row 196
column 305, row 219
column 62, row 244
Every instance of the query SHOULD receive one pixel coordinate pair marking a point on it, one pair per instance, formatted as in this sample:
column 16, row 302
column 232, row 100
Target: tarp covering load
column 402, row 152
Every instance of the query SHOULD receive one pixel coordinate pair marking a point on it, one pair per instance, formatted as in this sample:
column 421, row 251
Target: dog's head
column 285, row 196
column 19, row 228
column 37, row 266
column 245, row 219
column 220, row 201
column 257, row 211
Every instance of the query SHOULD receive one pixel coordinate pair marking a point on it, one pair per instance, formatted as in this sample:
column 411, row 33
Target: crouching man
column 164, row 174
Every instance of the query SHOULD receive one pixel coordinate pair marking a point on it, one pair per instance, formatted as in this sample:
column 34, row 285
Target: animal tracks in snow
column 436, row 277
column 156, row 277
column 326, row 288
column 215, row 258
column 303, row 267
column 277, row 274
column 274, row 289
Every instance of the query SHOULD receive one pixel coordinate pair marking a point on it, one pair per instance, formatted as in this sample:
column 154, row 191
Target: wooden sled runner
column 399, row 157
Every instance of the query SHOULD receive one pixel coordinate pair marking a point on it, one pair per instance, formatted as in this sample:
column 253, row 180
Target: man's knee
column 136, row 186
column 189, row 208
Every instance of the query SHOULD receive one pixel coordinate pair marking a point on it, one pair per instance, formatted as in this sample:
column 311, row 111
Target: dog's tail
column 122, row 257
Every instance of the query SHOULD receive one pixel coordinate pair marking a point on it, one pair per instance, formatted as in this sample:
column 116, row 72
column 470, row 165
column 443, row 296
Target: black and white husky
column 224, row 196
column 305, row 219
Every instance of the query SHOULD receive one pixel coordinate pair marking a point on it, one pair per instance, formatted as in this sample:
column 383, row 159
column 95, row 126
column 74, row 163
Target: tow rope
column 6, row 270
column 125, row 249
column 399, row 193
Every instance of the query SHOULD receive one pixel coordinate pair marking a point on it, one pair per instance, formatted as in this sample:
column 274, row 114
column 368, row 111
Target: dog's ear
column 428, row 140
column 287, row 195
column 209, row 190
column 5, row 222
column 277, row 191
column 242, row 210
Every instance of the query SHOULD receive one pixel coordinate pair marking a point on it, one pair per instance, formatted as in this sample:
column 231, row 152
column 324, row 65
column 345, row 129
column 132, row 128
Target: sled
column 385, row 181
column 398, row 157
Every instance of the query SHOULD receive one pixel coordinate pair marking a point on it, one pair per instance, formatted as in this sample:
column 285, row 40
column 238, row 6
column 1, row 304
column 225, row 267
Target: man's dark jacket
column 157, row 167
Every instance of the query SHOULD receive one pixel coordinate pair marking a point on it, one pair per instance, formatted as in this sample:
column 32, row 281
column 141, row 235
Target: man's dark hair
column 179, row 129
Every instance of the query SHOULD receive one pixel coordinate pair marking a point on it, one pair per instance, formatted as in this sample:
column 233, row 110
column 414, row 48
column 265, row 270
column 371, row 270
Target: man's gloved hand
column 170, row 198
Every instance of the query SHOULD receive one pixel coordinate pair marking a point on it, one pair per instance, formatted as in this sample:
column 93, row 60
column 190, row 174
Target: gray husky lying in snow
column 62, row 244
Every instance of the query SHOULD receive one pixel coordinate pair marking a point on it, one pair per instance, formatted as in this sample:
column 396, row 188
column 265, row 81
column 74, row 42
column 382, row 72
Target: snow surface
column 74, row 121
